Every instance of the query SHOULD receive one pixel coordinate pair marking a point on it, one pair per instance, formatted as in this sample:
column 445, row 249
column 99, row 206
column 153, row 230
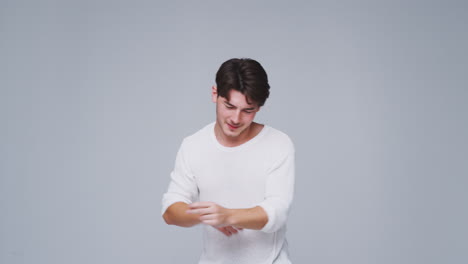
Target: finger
column 223, row 230
column 227, row 231
column 238, row 228
column 231, row 229
column 200, row 205
column 207, row 217
column 203, row 211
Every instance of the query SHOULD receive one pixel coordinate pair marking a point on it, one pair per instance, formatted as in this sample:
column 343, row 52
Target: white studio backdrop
column 96, row 96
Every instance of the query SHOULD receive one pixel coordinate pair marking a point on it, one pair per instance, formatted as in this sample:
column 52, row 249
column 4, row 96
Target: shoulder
column 199, row 138
column 279, row 138
column 276, row 143
column 278, row 148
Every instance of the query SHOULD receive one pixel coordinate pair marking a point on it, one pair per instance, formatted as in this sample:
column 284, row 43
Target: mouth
column 232, row 127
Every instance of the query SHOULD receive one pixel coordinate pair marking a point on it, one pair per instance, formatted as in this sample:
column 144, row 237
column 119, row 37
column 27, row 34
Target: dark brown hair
column 246, row 76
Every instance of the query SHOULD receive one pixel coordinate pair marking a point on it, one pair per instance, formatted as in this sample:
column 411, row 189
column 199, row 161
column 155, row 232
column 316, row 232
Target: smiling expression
column 234, row 117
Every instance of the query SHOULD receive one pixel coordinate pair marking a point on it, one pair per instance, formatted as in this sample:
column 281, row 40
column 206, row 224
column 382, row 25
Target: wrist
column 231, row 217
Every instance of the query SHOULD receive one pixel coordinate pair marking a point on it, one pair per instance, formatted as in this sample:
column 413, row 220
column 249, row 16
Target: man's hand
column 228, row 230
column 217, row 216
column 214, row 215
column 211, row 213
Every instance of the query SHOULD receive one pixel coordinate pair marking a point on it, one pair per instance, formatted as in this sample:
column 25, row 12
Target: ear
column 214, row 94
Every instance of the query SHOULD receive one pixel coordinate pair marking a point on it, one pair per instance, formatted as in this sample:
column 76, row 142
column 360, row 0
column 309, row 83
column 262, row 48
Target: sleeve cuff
column 270, row 211
column 170, row 201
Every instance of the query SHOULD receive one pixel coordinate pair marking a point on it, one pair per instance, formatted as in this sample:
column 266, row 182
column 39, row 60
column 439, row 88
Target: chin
column 230, row 133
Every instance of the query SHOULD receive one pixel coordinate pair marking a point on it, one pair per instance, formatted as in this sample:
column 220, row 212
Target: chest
column 229, row 177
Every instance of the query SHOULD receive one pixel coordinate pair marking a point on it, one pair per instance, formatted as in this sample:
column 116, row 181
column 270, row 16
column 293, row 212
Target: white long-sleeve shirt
column 259, row 172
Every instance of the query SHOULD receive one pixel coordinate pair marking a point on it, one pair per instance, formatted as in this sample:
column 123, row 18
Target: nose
column 236, row 117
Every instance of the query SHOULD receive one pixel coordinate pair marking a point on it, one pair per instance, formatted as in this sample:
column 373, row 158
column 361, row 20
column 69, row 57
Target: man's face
column 235, row 115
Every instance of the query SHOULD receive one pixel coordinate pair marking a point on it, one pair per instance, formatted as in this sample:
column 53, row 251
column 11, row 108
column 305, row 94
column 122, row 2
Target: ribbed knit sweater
column 260, row 172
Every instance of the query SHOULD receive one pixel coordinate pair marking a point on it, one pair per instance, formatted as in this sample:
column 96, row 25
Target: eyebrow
column 248, row 109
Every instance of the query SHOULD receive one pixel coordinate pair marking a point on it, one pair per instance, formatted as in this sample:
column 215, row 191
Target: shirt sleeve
column 279, row 192
column 182, row 187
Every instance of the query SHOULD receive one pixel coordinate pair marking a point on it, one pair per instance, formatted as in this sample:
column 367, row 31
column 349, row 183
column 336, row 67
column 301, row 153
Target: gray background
column 96, row 97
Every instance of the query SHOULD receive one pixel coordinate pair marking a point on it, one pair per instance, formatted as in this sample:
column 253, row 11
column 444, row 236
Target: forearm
column 176, row 215
column 250, row 218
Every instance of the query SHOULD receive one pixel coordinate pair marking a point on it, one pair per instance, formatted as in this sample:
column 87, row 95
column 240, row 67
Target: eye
column 229, row 107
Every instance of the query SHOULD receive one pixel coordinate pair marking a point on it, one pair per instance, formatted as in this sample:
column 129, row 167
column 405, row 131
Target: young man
column 235, row 176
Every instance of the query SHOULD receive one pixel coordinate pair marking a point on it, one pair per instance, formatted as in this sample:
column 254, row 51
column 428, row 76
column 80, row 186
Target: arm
column 215, row 215
column 279, row 191
column 251, row 218
column 181, row 192
column 176, row 215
